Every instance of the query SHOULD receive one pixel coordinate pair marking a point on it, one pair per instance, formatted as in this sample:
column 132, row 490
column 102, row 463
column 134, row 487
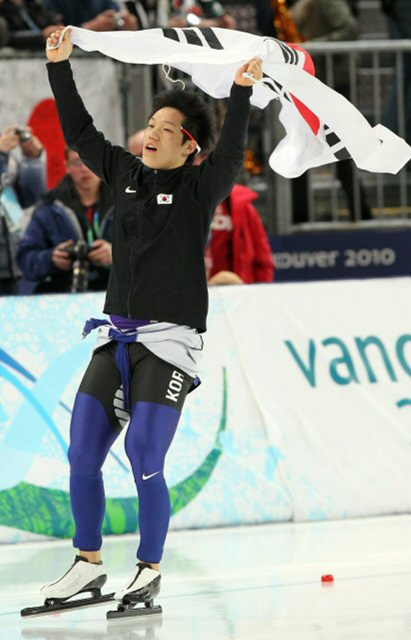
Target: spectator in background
column 238, row 251
column 78, row 209
column 26, row 23
column 399, row 23
column 328, row 21
column 265, row 18
column 96, row 15
column 22, row 182
column 199, row 13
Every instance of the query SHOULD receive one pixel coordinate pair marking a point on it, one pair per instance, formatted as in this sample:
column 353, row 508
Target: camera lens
column 25, row 135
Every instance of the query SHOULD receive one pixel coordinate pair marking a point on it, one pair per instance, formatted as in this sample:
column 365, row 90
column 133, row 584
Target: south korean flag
column 321, row 126
column 165, row 198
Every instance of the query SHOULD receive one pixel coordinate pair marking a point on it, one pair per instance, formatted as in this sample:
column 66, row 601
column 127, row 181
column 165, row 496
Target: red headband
column 198, row 148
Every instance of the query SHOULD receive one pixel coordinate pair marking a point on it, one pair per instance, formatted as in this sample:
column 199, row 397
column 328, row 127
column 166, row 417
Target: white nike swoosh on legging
column 150, row 476
column 128, row 190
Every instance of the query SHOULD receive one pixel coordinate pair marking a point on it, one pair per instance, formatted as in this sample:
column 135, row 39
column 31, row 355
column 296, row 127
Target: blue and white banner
column 342, row 255
column 304, row 412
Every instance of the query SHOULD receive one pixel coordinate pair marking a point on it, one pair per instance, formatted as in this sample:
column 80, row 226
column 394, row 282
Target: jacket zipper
column 131, row 265
column 131, row 282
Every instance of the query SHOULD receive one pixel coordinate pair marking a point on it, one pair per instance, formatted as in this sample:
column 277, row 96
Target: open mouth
column 150, row 148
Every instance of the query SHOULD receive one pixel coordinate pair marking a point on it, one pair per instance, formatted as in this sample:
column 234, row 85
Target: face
column 163, row 146
column 82, row 177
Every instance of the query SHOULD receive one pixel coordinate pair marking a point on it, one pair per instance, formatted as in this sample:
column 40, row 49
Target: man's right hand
column 61, row 259
column 64, row 50
column 9, row 139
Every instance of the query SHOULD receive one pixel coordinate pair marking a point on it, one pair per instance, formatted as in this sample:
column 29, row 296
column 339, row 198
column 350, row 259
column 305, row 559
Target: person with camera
column 27, row 23
column 22, row 183
column 95, row 15
column 199, row 13
column 67, row 244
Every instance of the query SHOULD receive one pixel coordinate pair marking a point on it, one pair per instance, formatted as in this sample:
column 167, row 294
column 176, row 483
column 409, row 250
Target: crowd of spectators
column 22, row 183
column 41, row 230
column 27, row 23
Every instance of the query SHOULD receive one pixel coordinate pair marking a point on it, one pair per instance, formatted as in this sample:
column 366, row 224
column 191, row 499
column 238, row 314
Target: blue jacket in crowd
column 59, row 217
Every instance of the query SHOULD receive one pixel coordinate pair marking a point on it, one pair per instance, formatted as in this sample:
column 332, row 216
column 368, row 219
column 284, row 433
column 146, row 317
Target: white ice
column 245, row 583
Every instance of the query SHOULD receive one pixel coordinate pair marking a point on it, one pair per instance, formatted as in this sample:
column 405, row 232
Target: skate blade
column 134, row 610
column 81, row 603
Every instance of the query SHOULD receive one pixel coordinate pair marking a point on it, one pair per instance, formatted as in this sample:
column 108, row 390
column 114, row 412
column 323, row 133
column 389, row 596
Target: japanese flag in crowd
column 321, row 125
column 33, row 103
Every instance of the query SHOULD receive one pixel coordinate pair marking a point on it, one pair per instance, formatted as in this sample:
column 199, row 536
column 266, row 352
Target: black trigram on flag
column 334, row 141
column 199, row 37
column 275, row 87
column 290, row 54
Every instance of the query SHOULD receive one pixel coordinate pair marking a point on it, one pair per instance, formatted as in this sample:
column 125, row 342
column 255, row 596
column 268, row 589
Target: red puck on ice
column 327, row 578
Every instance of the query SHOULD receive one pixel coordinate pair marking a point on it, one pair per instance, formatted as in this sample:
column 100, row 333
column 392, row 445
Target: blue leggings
column 157, row 392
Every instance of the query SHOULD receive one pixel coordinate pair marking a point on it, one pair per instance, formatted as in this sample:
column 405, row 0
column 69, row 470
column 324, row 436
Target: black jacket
column 158, row 270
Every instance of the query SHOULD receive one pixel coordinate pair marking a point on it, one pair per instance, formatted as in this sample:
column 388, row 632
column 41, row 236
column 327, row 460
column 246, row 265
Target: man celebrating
column 157, row 301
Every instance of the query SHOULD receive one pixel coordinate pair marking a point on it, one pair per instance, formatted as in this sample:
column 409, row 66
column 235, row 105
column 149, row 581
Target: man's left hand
column 100, row 254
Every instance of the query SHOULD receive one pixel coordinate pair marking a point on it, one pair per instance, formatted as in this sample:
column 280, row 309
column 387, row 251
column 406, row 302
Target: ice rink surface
column 245, row 583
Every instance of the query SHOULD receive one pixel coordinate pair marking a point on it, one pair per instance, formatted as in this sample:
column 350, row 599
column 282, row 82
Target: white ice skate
column 83, row 576
column 143, row 587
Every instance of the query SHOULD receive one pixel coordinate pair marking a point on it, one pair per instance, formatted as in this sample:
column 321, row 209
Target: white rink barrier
column 304, row 412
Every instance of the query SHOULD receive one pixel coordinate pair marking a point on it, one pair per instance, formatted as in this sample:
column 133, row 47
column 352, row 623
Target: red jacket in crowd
column 239, row 242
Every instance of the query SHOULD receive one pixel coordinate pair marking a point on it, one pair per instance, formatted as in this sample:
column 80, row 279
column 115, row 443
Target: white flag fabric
column 321, row 125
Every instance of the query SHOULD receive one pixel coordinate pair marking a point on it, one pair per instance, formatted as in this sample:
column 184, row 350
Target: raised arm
column 97, row 153
column 219, row 172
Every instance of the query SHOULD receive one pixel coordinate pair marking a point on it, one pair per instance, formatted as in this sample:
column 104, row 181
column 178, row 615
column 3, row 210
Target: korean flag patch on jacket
column 164, row 198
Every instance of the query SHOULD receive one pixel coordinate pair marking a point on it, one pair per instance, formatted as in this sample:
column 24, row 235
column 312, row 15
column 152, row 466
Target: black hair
column 198, row 117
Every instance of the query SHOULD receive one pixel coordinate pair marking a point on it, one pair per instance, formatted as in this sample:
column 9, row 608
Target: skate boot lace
column 141, row 566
